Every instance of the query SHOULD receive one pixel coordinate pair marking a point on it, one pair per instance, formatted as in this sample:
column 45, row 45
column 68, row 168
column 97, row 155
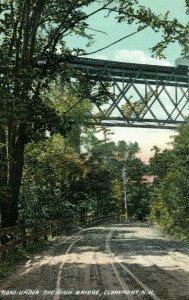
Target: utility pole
column 124, row 174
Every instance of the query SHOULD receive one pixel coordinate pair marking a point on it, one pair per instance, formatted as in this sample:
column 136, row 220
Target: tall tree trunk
column 9, row 205
column 3, row 167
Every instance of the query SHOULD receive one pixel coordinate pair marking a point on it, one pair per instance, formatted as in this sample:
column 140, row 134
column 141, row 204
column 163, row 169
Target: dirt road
column 109, row 262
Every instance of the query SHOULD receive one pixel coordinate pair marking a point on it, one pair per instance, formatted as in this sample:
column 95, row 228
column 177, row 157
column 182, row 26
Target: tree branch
column 26, row 12
column 100, row 31
column 13, row 39
column 35, row 22
column 59, row 32
column 93, row 52
column 102, row 8
column 87, row 16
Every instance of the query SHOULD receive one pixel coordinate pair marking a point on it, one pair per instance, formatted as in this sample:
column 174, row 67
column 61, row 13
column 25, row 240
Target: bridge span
column 139, row 95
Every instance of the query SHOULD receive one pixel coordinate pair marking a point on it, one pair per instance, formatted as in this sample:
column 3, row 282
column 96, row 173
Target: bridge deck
column 154, row 72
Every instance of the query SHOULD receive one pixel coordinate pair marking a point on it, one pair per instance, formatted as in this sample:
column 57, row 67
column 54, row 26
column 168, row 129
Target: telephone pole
column 124, row 174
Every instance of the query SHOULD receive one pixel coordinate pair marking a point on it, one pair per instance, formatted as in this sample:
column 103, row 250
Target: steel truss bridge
column 140, row 95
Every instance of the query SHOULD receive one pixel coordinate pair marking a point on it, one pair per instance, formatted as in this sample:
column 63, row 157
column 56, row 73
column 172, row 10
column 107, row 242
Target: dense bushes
column 171, row 193
column 59, row 183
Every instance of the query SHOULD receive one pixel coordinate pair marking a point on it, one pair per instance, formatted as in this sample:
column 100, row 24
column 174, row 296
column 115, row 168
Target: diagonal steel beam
column 127, row 101
column 157, row 95
column 122, row 92
column 126, row 76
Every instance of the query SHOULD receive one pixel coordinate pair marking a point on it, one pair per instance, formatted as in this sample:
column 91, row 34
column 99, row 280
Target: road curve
column 110, row 262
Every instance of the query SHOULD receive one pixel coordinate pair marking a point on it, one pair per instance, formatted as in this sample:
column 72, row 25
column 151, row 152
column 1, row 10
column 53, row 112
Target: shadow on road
column 88, row 265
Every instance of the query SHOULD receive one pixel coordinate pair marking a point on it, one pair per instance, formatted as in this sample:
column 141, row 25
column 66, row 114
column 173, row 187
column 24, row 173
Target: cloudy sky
column 135, row 49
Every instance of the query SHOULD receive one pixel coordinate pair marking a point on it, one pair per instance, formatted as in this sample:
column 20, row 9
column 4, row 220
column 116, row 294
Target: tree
column 52, row 181
column 161, row 163
column 33, row 53
column 114, row 158
column 32, row 33
column 72, row 111
column 170, row 206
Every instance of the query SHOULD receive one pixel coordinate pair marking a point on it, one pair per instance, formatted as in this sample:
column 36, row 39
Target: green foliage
column 58, row 183
column 172, row 30
column 71, row 109
column 161, row 163
column 51, row 178
column 114, row 158
column 33, row 55
column 170, row 206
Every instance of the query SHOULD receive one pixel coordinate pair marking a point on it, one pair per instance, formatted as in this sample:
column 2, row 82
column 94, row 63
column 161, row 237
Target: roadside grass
column 20, row 255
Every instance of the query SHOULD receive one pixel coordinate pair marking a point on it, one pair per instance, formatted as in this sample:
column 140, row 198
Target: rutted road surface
column 118, row 261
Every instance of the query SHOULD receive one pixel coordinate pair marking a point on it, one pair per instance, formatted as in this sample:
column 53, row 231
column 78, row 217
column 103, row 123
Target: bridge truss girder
column 140, row 95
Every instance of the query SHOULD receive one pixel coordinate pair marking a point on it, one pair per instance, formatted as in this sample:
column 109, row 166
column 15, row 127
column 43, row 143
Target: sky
column 135, row 49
